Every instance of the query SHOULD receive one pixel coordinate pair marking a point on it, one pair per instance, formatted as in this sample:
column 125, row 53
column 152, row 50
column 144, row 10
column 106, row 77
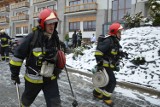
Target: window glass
column 115, row 4
column 25, row 12
column 114, row 15
column 41, row 8
column 128, row 11
column 94, row 25
column 25, row 29
column 84, row 1
column 89, row 25
column 84, row 25
column 51, row 7
column 71, row 3
column 120, row 8
column 128, row 3
column 121, row 4
column 74, row 26
column 18, row 30
column 121, row 14
column 70, row 26
column 89, row 1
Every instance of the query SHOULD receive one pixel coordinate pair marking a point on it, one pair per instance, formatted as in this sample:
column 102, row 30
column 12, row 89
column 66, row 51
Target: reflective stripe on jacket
column 36, row 78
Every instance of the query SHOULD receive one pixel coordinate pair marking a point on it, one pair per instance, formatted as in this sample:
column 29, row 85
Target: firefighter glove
column 15, row 78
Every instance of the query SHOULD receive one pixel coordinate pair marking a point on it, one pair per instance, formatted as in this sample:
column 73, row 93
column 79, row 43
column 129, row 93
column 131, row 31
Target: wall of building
column 61, row 25
column 139, row 6
column 102, row 16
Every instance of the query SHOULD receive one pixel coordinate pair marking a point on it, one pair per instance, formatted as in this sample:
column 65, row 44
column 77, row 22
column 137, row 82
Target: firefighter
column 39, row 48
column 5, row 41
column 108, row 53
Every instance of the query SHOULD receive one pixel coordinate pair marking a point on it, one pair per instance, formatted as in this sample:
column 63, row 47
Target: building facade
column 18, row 17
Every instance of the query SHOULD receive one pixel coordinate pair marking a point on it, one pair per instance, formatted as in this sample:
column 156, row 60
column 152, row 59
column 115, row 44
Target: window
column 89, row 26
column 40, row 8
column 74, row 26
column 114, row 4
column 25, row 29
column 52, row 7
column 18, row 30
column 120, row 8
column 88, row 1
column 25, row 12
column 71, row 3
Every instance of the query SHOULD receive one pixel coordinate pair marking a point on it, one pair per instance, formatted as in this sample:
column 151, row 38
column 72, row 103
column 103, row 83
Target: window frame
column 74, row 26
column 116, row 9
column 89, row 25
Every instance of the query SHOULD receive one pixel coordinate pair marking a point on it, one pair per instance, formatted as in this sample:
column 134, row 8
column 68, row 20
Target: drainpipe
column 107, row 10
column 135, row 7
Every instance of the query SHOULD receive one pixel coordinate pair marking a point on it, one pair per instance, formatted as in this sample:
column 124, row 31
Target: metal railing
column 4, row 9
column 4, row 20
column 38, row 1
column 81, row 7
column 20, row 17
column 20, row 5
column 35, row 14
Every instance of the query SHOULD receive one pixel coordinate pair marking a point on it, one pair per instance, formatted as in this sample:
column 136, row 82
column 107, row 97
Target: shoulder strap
column 32, row 44
column 34, row 39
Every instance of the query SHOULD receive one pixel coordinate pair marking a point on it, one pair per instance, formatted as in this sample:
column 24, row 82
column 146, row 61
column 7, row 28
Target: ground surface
column 81, row 86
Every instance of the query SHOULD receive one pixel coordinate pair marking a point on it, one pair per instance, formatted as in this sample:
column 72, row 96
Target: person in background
column 40, row 51
column 93, row 39
column 66, row 38
column 108, row 54
column 79, row 38
column 74, row 39
column 5, row 42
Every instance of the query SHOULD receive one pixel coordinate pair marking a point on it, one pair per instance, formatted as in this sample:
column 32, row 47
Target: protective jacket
column 42, row 49
column 107, row 51
column 5, row 40
column 107, row 56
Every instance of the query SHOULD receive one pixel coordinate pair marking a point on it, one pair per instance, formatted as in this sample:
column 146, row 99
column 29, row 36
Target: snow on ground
column 82, row 87
column 142, row 41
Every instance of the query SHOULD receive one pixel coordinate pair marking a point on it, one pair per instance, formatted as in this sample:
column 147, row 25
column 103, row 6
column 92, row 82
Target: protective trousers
column 109, row 88
column 49, row 88
column 5, row 53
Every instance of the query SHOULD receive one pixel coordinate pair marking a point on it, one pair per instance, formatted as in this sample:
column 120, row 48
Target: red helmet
column 47, row 15
column 114, row 28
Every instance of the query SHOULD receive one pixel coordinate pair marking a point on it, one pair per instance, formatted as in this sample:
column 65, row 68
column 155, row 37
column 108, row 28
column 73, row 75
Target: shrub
column 134, row 21
column 154, row 11
column 138, row 61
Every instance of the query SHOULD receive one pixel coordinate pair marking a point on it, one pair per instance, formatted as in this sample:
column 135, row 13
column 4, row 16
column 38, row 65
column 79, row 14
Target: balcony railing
column 4, row 9
column 4, row 20
column 38, row 1
column 81, row 7
column 20, row 4
column 35, row 14
column 20, row 17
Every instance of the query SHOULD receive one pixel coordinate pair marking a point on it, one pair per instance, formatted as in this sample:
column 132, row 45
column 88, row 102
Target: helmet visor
column 51, row 21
